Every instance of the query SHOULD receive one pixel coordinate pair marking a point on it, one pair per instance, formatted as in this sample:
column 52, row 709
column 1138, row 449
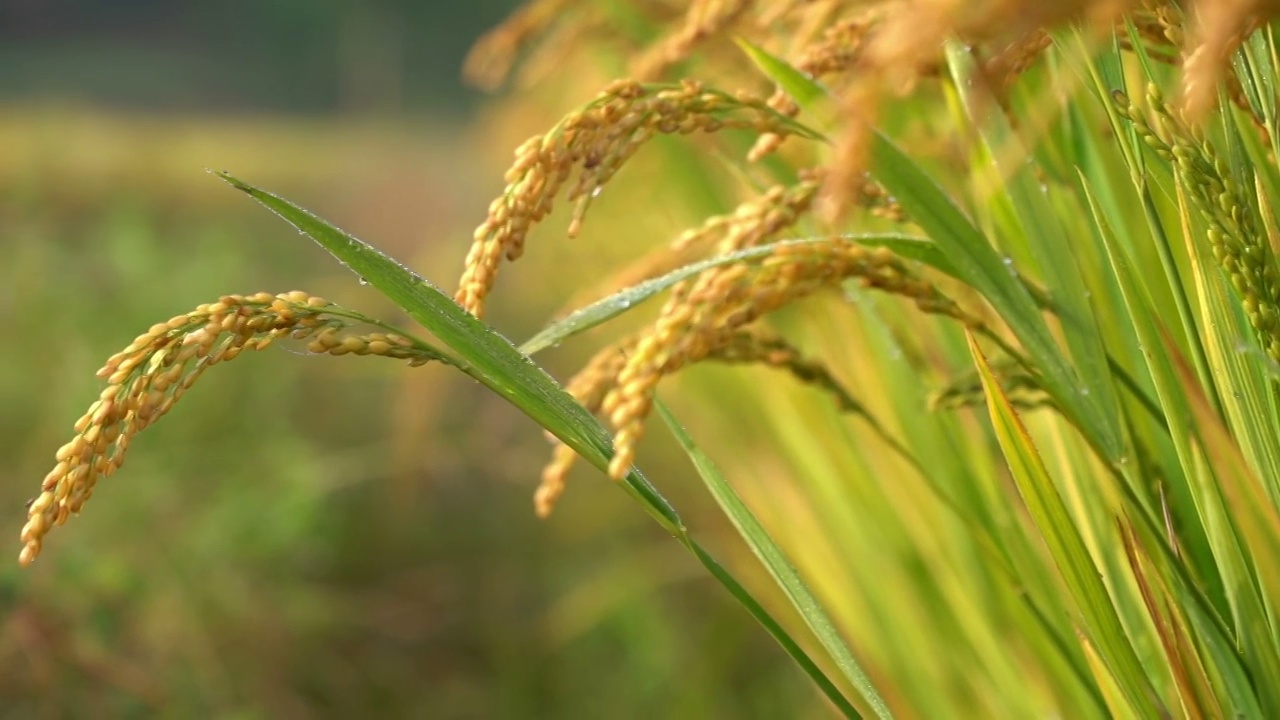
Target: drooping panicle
column 148, row 377
column 585, row 150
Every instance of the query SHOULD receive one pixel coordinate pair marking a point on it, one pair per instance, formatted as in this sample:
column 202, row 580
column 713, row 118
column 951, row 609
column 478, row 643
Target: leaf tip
column 230, row 179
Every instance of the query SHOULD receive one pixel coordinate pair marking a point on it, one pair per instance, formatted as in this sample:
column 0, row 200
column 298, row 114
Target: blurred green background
column 313, row 536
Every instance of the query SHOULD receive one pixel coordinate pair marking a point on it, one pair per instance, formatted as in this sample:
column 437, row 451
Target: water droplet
column 1084, row 391
column 1008, row 261
column 595, row 192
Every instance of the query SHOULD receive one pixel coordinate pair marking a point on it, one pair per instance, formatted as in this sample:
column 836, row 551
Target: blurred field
column 320, row 537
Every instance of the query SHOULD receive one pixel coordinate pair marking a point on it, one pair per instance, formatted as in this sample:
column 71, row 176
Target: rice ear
column 147, row 378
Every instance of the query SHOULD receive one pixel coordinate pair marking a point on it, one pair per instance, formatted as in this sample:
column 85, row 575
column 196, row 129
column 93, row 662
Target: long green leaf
column 971, row 258
column 1228, row 672
column 1062, row 538
column 491, row 359
column 778, row 632
column 1250, row 553
column 978, row 264
column 802, row 88
column 485, row 354
column 1060, row 252
column 605, row 309
column 757, row 538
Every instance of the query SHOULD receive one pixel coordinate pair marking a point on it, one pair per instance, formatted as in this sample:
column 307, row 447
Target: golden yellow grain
column 553, row 480
column 589, row 387
column 702, row 20
column 595, row 142
column 1220, row 27
column 704, row 317
column 148, row 377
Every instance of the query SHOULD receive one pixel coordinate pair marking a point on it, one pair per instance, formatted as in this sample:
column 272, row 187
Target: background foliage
column 309, row 537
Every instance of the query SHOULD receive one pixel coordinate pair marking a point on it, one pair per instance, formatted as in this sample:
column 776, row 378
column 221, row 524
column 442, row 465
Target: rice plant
column 1019, row 260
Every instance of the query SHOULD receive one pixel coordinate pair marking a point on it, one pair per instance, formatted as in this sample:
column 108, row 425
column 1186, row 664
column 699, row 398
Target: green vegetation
column 1005, row 445
column 310, row 536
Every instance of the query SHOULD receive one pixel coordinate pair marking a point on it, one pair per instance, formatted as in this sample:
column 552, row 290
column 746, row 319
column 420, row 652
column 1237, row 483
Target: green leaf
column 1102, row 628
column 491, row 359
column 1250, row 550
column 977, row 264
column 779, row 567
column 1229, row 676
column 802, row 88
column 610, row 307
column 966, row 255
column 1061, row 253
column 484, row 354
column 779, row 633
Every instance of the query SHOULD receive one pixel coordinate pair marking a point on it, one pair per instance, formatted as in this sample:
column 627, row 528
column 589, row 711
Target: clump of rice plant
column 1028, row 254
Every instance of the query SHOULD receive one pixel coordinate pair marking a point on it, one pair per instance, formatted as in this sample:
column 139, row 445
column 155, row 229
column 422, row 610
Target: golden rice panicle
column 148, row 377
column 711, row 318
column 595, row 142
column 552, row 484
column 1005, row 66
column 812, row 13
column 1163, row 28
column 589, row 388
column 753, row 222
column 837, row 51
column 1220, row 27
column 1172, row 21
column 871, row 196
column 703, row 318
column 703, row 19
column 906, row 46
column 491, row 58
column 758, row 220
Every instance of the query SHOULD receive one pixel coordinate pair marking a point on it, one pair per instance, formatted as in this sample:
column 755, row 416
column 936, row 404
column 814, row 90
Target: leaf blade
column 783, row 573
column 607, row 308
column 1103, row 630
column 486, row 355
